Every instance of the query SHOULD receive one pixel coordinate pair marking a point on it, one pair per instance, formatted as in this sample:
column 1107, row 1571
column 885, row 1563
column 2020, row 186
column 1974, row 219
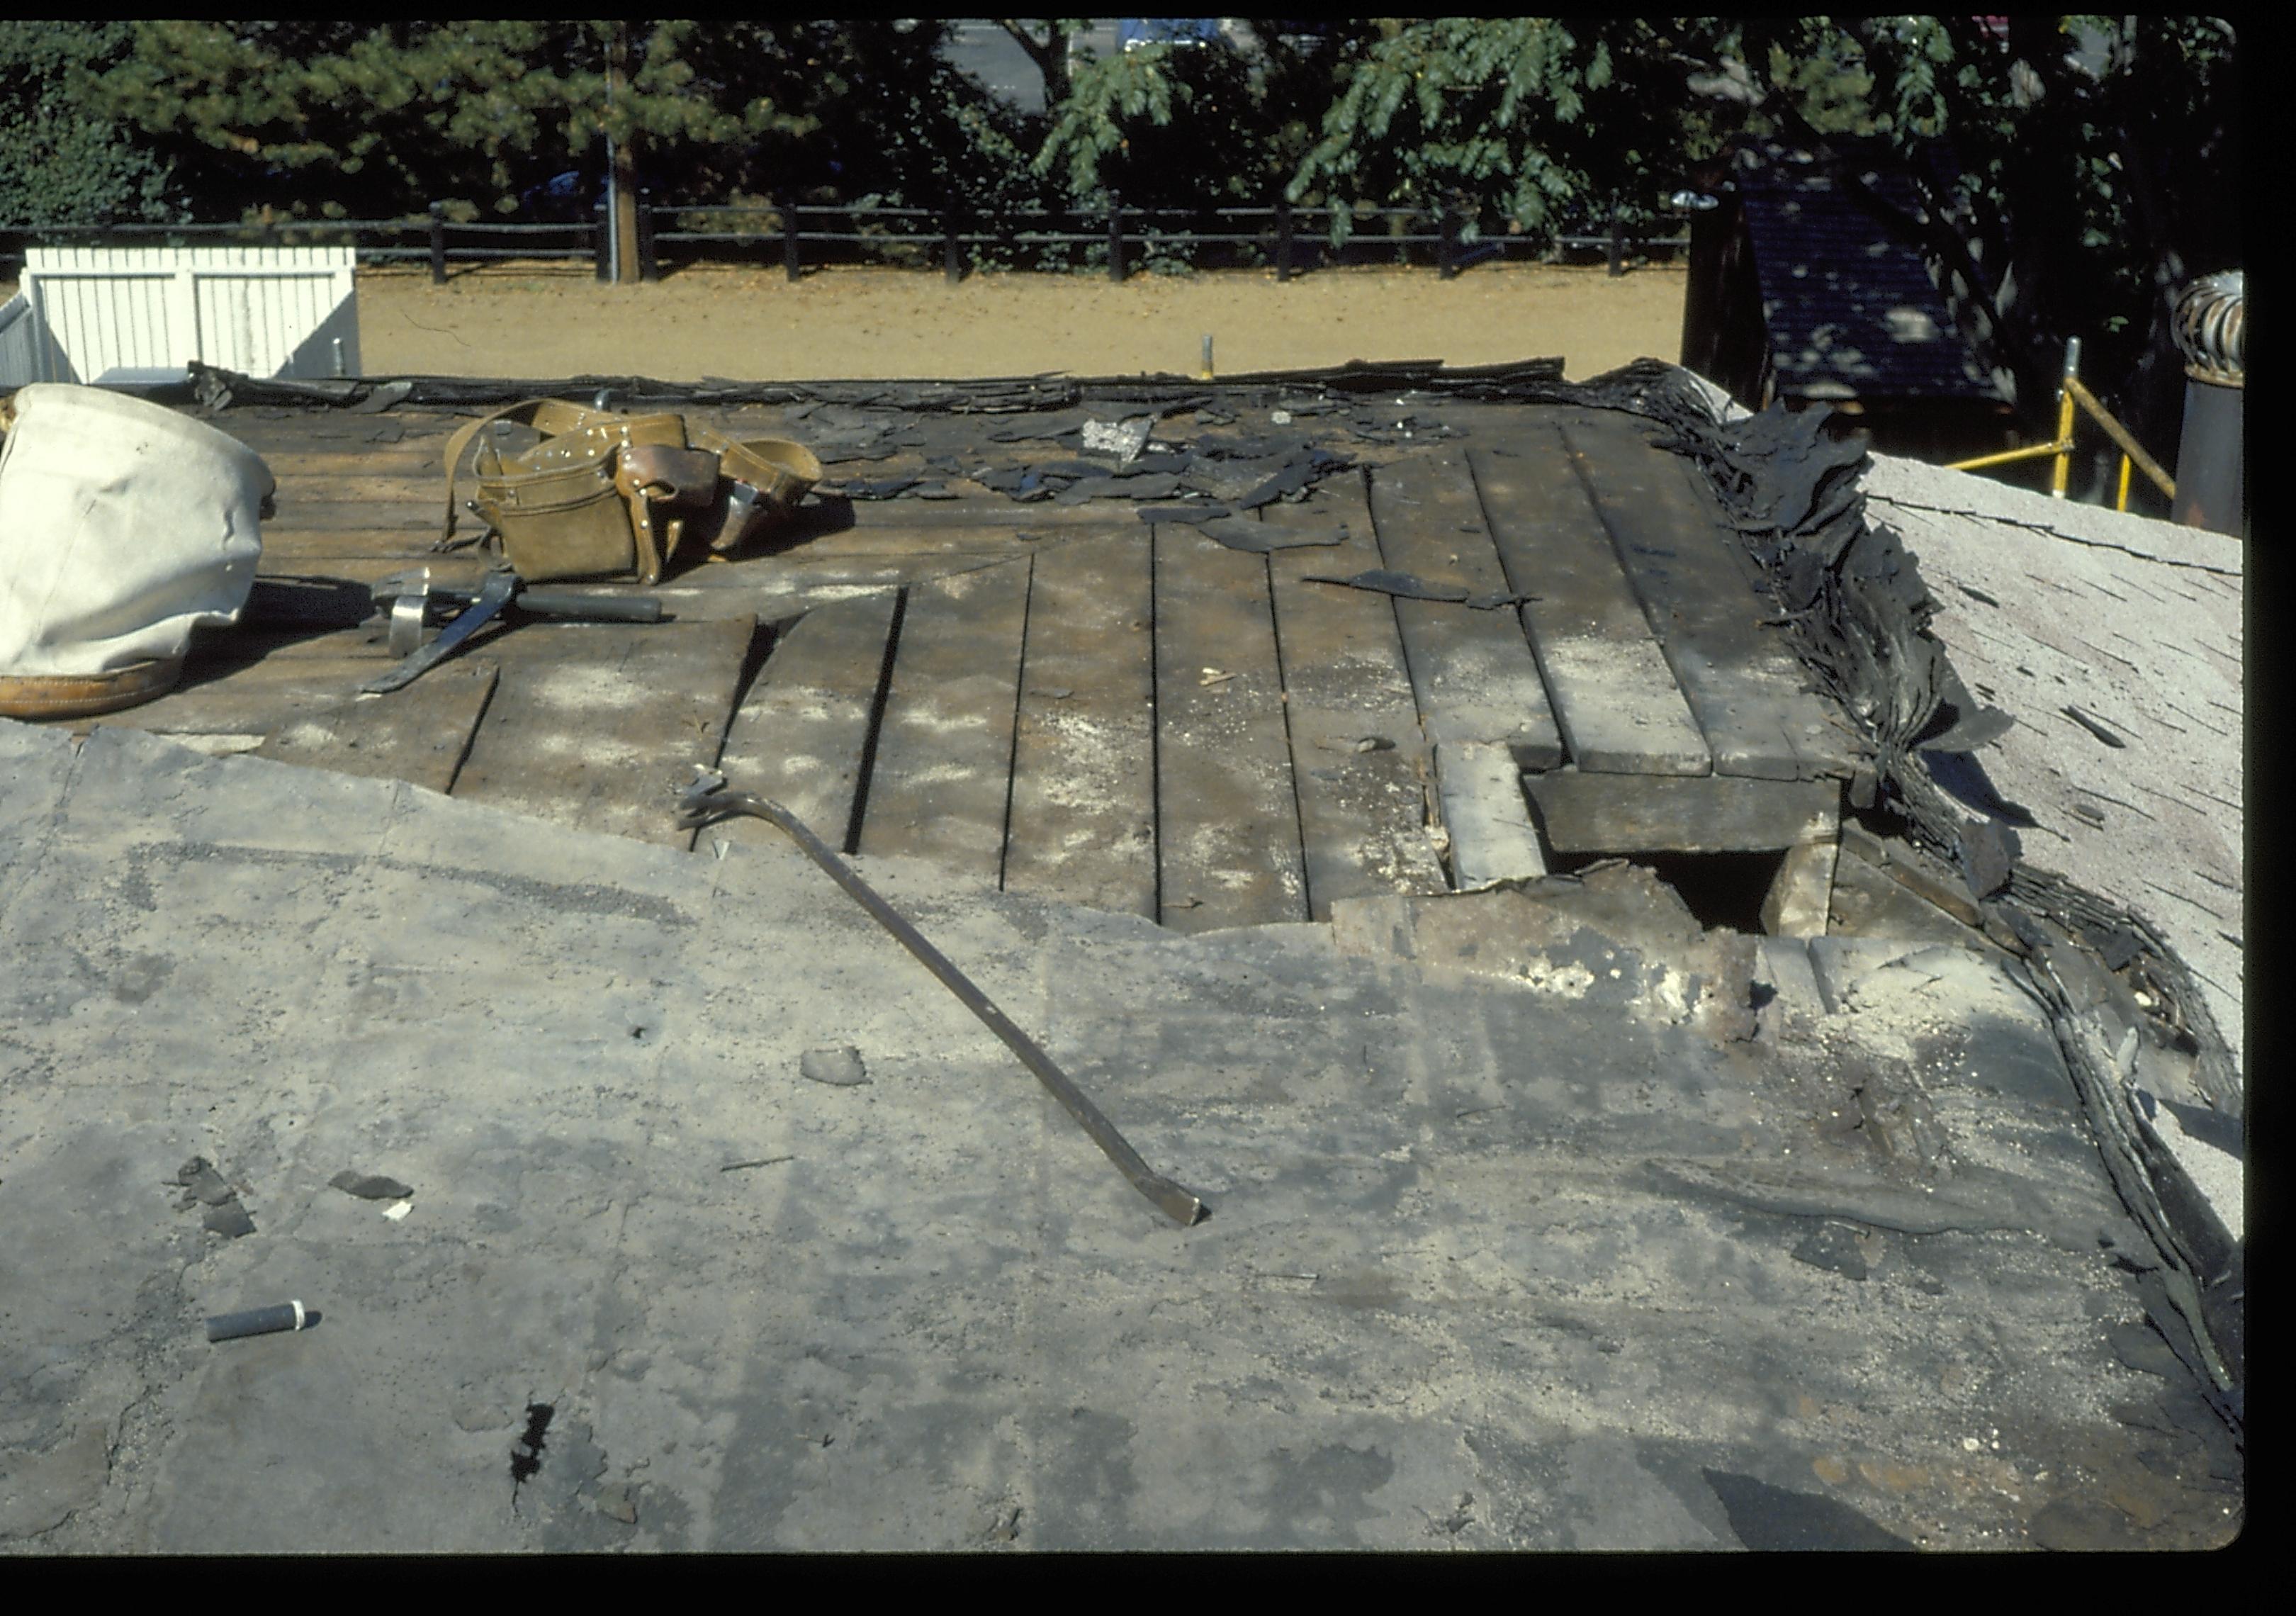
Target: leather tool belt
column 609, row 496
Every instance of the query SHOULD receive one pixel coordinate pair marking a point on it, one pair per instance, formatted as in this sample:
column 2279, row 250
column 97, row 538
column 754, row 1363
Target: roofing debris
column 1859, row 600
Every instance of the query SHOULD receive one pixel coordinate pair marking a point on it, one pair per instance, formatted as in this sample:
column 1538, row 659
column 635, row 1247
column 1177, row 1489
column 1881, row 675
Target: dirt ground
column 750, row 325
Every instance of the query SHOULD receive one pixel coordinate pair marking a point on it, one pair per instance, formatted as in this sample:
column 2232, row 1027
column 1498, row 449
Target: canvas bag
column 123, row 527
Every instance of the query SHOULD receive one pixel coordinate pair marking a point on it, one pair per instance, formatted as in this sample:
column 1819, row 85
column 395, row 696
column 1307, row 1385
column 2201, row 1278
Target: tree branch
column 1051, row 54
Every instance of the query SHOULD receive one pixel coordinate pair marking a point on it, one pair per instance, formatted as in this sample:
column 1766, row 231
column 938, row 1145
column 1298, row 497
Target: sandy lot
column 752, row 324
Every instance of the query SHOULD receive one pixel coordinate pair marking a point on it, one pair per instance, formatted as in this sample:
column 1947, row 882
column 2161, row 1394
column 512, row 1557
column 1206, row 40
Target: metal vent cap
column 2211, row 329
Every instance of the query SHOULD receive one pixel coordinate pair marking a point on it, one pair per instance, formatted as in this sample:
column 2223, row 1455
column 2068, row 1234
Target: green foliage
column 1193, row 126
column 62, row 159
column 383, row 119
column 1521, row 122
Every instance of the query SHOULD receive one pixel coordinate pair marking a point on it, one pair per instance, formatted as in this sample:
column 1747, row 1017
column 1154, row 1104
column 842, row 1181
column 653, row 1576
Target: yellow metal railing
column 2072, row 394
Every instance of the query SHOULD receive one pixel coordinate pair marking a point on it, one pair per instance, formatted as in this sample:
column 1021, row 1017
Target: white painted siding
column 263, row 311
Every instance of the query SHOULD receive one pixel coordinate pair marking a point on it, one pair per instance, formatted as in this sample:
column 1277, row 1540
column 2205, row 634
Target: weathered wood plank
column 218, row 652
column 1800, row 902
column 1748, row 691
column 1358, row 757
column 423, row 462
column 414, row 482
column 944, row 766
column 591, row 724
column 799, row 735
column 877, row 534
column 249, row 684
column 983, row 509
column 809, row 573
column 1615, row 697
column 1473, row 671
column 1609, row 813
column 305, row 550
column 1492, row 837
column 361, row 515
column 1227, row 828
column 420, row 732
column 1084, row 753
column 331, row 430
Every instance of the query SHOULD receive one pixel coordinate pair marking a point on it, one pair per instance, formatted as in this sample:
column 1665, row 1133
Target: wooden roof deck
column 1061, row 698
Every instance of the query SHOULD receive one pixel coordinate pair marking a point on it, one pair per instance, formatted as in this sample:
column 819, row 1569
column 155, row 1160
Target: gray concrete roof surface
column 1541, row 1219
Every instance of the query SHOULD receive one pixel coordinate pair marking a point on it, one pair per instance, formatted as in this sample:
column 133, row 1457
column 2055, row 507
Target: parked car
column 570, row 198
column 1132, row 32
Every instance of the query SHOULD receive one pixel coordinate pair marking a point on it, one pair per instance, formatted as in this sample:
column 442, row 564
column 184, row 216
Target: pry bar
column 707, row 801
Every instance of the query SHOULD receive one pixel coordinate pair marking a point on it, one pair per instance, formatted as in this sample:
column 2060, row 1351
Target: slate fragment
column 370, row 1186
column 1379, row 580
column 2115, row 945
column 883, row 488
column 1162, row 485
column 2093, row 728
column 201, row 1182
column 1239, row 533
column 229, row 1220
column 1003, row 479
column 1988, row 849
column 203, row 1186
column 1300, row 470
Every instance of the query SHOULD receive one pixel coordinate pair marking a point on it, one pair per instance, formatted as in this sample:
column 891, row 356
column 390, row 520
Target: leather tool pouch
column 607, row 495
column 763, row 478
column 562, row 508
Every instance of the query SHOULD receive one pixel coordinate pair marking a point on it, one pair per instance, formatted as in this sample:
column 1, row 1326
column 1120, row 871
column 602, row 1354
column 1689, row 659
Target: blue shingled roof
column 1850, row 311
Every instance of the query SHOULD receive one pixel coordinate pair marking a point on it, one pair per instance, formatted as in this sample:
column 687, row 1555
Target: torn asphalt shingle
column 204, row 1186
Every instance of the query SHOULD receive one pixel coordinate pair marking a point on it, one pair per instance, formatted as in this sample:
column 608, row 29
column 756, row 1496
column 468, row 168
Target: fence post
column 1618, row 243
column 1116, row 237
column 602, row 245
column 1283, row 238
column 952, row 267
column 790, row 262
column 437, row 243
column 1446, row 258
column 648, row 270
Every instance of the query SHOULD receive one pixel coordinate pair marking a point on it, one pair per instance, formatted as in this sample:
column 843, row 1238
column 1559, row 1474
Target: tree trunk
column 625, row 222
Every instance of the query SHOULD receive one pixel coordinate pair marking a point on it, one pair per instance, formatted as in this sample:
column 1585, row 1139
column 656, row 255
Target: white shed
column 86, row 313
